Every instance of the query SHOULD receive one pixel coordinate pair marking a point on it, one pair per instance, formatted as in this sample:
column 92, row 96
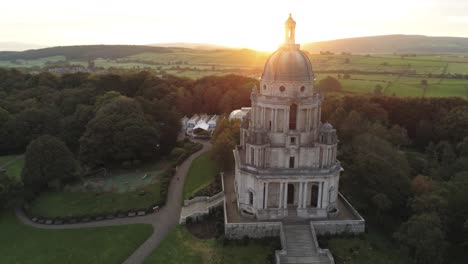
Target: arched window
column 250, row 197
column 264, row 87
column 302, row 88
column 292, row 116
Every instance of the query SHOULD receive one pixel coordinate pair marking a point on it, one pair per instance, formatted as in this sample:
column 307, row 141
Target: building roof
column 239, row 113
column 288, row 63
column 202, row 125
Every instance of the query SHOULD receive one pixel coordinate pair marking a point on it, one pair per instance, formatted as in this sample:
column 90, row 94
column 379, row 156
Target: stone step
column 300, row 246
column 305, row 259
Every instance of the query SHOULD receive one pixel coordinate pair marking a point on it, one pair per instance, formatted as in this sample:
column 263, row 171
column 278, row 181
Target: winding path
column 162, row 221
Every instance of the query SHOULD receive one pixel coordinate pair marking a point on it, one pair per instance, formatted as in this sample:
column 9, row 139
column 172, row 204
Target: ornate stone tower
column 286, row 162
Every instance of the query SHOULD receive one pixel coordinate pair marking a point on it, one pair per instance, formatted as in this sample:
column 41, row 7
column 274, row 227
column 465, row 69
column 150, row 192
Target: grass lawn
column 13, row 164
column 202, row 172
column 181, row 247
column 61, row 204
column 372, row 248
column 27, row 245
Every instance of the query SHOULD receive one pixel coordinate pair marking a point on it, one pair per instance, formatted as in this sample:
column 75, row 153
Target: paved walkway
column 162, row 221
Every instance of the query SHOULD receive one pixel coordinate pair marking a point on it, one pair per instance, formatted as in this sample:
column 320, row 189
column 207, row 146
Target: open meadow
column 28, row 245
column 398, row 75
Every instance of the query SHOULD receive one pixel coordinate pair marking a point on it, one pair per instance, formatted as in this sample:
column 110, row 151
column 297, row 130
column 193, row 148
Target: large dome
column 288, row 63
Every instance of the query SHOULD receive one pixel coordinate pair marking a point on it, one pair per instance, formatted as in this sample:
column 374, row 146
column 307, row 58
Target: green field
column 383, row 69
column 13, row 165
column 28, row 245
column 65, row 204
column 31, row 63
column 402, row 86
column 181, row 247
column 202, row 172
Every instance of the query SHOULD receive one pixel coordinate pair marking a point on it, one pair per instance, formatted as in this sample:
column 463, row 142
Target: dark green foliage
column 329, row 84
column 11, row 192
column 119, row 132
column 423, row 238
column 47, row 160
column 28, row 125
column 378, row 171
column 225, row 138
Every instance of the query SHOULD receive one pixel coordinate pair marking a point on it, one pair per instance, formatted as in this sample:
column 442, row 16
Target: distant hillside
column 391, row 44
column 81, row 52
column 199, row 46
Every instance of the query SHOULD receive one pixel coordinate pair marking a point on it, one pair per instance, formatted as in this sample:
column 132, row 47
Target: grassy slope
column 28, row 245
column 201, row 173
column 61, row 204
column 15, row 165
column 181, row 247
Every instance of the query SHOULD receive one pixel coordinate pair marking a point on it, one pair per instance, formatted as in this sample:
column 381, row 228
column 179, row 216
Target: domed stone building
column 285, row 165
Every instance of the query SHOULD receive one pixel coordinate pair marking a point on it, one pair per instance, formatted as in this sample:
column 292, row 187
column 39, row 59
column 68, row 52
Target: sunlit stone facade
column 285, row 165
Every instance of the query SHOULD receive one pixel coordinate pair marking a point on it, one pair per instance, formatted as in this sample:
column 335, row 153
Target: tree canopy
column 48, row 161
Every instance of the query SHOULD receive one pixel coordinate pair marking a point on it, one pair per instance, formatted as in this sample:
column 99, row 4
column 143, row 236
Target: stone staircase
column 301, row 246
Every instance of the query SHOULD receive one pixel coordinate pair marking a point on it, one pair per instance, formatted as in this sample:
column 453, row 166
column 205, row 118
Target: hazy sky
column 248, row 23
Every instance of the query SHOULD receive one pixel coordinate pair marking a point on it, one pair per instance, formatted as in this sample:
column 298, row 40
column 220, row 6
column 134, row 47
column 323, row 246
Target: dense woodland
column 405, row 159
column 405, row 166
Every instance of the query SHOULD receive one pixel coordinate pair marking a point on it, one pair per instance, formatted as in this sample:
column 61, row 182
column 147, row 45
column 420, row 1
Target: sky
column 256, row 24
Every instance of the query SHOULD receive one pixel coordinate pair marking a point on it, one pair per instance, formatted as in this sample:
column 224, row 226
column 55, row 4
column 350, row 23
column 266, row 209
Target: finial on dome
column 290, row 27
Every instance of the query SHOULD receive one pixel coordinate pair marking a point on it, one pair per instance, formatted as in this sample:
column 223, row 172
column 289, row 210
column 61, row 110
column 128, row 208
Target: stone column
column 275, row 119
column 319, row 200
column 300, row 198
column 280, row 200
column 266, row 195
column 325, row 200
column 285, row 189
column 304, row 204
column 286, row 120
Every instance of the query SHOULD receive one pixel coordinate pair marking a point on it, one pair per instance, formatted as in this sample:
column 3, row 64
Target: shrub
column 127, row 164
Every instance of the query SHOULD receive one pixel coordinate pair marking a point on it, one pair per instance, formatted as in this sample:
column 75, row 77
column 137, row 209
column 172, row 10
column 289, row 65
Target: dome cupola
column 288, row 68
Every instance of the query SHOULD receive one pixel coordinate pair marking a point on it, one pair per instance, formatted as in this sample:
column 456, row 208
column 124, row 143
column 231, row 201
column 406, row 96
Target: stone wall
column 339, row 226
column 252, row 230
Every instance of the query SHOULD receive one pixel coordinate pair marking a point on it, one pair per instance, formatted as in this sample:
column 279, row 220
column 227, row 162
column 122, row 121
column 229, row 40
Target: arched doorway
column 290, row 193
column 314, row 196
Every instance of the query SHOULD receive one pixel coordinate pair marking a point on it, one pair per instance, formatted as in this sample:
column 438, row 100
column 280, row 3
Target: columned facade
column 286, row 162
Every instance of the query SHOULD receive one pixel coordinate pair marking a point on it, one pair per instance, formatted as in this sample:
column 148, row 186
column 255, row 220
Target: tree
column 11, row 192
column 423, row 238
column 329, row 84
column 421, row 184
column 119, row 132
column 47, row 160
column 456, row 123
column 374, row 166
column 378, row 90
column 225, row 138
column 462, row 147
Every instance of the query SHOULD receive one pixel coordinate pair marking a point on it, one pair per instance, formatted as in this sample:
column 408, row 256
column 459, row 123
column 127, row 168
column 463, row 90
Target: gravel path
column 162, row 221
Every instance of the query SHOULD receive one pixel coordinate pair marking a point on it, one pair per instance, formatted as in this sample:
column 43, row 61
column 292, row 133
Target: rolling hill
column 363, row 45
column 81, row 52
column 391, row 44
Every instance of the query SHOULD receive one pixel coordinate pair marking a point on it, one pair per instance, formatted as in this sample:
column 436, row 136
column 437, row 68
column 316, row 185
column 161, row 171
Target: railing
column 282, row 251
column 207, row 199
column 320, row 251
